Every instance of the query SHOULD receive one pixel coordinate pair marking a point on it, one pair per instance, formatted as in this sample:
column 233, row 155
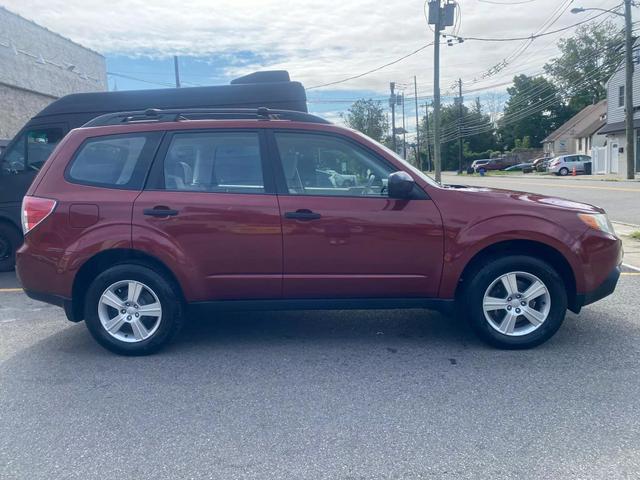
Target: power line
column 353, row 77
column 129, row 77
column 534, row 36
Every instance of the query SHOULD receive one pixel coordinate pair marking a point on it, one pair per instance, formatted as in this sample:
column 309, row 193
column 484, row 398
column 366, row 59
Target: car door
column 351, row 241
column 572, row 161
column 210, row 212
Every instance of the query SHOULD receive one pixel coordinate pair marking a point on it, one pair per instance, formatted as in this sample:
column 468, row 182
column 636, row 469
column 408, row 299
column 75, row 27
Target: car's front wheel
column 515, row 301
column 132, row 310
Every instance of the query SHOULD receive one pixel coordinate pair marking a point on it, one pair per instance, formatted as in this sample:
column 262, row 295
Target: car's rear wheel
column 10, row 240
column 515, row 301
column 563, row 172
column 133, row 310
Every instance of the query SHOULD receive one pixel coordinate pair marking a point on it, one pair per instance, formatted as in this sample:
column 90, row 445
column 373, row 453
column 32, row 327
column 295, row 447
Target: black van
column 27, row 152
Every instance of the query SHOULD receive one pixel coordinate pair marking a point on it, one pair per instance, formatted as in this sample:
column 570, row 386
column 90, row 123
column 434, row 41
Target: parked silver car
column 564, row 164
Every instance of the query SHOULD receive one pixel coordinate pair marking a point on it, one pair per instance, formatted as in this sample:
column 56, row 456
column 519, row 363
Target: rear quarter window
column 114, row 161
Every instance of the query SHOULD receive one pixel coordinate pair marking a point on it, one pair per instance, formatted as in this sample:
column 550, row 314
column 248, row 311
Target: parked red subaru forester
column 139, row 217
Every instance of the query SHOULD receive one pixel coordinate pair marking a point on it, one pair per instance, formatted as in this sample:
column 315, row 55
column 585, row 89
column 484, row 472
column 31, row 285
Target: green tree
column 535, row 108
column 368, row 117
column 477, row 130
column 587, row 61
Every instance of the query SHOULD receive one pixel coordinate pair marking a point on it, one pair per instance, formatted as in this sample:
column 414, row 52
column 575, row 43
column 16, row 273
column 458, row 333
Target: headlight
column 598, row 221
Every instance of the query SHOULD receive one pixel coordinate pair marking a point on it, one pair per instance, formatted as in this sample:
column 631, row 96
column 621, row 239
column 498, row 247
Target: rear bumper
column 606, row 288
column 58, row 301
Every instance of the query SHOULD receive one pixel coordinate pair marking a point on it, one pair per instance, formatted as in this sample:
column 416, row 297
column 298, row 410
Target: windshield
column 415, row 170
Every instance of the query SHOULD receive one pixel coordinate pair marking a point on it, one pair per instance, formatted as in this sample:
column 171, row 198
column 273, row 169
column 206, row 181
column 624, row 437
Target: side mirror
column 400, row 185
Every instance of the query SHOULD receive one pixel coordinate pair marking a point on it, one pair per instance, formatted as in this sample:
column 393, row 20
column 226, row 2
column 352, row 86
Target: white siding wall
column 614, row 112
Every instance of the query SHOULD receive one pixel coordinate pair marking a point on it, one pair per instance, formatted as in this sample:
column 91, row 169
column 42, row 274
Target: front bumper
column 604, row 289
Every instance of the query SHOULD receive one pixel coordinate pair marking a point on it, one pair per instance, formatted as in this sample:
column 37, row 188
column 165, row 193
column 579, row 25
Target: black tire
column 10, row 241
column 167, row 293
column 486, row 273
column 563, row 172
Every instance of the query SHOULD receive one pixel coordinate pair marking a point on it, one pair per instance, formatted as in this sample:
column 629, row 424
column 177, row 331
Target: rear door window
column 115, row 161
column 217, row 162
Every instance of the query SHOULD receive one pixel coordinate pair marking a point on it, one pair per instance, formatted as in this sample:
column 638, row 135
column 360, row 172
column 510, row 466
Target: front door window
column 330, row 166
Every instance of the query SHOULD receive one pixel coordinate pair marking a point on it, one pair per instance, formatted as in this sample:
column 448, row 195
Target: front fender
column 463, row 244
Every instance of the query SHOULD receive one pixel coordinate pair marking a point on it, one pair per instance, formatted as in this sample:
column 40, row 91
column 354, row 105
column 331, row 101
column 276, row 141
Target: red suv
column 140, row 217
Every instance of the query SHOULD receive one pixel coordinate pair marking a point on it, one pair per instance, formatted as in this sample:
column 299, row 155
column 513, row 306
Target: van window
column 114, row 161
column 40, row 144
column 223, row 162
column 32, row 149
column 14, row 161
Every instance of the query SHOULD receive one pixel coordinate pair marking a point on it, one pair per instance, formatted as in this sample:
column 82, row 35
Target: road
column 621, row 200
column 316, row 395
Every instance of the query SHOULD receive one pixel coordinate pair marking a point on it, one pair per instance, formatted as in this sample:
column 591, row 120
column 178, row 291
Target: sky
column 318, row 42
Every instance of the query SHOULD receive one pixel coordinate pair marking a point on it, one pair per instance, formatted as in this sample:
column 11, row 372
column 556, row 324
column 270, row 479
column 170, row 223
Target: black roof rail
column 155, row 115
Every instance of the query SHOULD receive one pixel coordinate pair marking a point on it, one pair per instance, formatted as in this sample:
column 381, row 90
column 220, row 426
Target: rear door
column 210, row 212
column 351, row 240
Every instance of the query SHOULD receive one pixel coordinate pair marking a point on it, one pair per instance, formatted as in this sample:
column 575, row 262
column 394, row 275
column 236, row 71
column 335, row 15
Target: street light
column 580, row 10
column 628, row 83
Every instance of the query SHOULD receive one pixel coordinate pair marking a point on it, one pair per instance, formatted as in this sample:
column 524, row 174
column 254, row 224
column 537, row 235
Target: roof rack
column 154, row 115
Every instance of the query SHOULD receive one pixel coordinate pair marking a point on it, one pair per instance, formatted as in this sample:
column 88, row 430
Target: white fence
column 599, row 160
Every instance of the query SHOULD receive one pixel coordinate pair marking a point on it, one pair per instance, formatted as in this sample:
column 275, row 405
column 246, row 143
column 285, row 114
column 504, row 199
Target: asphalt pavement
column 405, row 394
column 620, row 199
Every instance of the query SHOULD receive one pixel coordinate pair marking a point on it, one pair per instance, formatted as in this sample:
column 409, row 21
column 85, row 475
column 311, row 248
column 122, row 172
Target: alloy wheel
column 130, row 311
column 516, row 303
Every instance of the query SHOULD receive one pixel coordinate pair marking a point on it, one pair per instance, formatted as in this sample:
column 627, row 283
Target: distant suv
column 565, row 164
column 139, row 218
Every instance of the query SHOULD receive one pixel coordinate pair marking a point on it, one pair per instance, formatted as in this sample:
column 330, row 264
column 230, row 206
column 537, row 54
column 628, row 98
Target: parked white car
column 564, row 164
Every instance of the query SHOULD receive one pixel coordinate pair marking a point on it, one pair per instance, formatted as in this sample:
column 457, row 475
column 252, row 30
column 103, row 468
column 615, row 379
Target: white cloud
column 318, row 41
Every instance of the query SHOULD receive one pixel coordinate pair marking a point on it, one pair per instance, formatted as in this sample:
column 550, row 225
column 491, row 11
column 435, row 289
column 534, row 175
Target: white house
column 611, row 158
column 577, row 135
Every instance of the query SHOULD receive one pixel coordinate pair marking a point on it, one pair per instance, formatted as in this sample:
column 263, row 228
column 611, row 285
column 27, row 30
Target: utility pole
column 628, row 79
column 426, row 131
column 404, row 131
column 459, row 126
column 439, row 17
column 628, row 91
column 392, row 103
column 415, row 93
column 436, row 98
column 177, row 70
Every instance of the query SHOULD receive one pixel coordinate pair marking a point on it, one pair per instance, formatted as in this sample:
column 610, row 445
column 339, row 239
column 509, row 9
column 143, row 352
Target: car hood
column 522, row 199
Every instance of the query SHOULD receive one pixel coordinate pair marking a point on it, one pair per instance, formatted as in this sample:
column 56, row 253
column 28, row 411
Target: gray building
column 614, row 132
column 38, row 66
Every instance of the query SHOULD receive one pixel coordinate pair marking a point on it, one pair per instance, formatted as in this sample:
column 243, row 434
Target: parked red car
column 138, row 218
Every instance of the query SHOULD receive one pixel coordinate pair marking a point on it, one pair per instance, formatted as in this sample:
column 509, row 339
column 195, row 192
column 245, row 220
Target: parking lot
column 384, row 394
